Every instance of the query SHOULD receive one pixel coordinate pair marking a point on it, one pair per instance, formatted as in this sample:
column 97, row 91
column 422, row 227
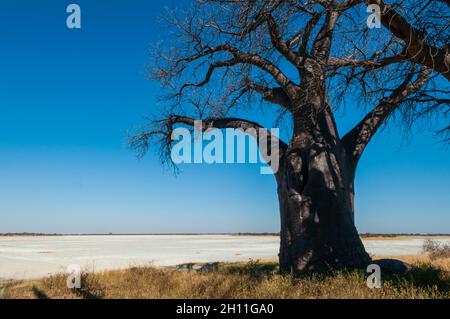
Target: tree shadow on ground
column 424, row 276
column 39, row 294
column 253, row 269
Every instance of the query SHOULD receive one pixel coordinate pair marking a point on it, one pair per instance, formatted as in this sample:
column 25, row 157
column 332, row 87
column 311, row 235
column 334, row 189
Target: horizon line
column 365, row 234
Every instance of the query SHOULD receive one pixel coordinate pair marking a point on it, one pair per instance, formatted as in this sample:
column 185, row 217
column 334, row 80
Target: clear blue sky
column 68, row 99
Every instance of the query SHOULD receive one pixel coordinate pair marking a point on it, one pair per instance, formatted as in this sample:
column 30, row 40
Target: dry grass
column 430, row 279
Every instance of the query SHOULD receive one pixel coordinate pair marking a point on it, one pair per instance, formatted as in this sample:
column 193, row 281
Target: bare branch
column 280, row 44
column 274, row 95
column 142, row 140
column 369, row 64
column 240, row 57
column 357, row 139
column 322, row 43
column 417, row 50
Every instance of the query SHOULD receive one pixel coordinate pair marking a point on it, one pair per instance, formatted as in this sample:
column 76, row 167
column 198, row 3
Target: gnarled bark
column 315, row 190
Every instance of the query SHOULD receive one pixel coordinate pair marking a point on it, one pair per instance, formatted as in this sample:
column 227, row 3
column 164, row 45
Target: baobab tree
column 306, row 59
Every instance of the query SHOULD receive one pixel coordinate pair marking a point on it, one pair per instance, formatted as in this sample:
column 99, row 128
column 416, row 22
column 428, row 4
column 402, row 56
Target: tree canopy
column 224, row 56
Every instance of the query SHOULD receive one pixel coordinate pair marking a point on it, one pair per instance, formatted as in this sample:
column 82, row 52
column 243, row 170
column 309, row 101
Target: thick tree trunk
column 315, row 189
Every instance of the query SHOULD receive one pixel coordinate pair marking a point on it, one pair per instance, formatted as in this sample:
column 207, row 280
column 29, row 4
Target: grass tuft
column 436, row 250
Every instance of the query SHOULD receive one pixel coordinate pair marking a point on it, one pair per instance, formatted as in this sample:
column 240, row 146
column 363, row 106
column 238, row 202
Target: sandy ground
column 36, row 257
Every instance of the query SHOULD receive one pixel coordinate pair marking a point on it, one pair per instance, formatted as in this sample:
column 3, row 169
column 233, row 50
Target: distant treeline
column 28, row 234
column 363, row 235
column 256, row 234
